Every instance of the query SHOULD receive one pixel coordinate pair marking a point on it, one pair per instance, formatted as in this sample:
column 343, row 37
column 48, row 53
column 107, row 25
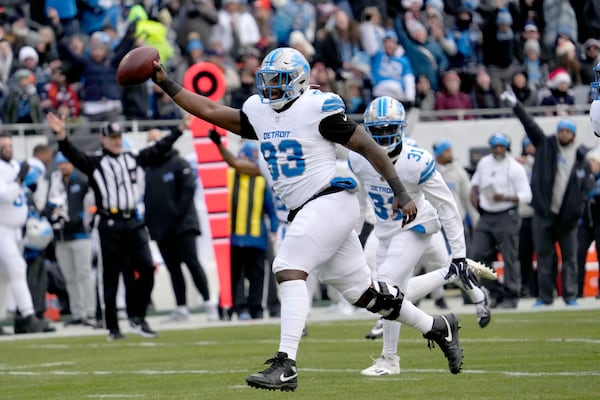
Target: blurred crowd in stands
column 61, row 55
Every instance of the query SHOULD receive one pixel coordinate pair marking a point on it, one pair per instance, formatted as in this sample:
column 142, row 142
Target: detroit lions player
column 297, row 128
column 595, row 107
column 13, row 214
column 404, row 246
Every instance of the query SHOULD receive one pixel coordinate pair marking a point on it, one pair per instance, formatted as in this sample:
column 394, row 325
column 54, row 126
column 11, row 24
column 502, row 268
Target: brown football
column 136, row 67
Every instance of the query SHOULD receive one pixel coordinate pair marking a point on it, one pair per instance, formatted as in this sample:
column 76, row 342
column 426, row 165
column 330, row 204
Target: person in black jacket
column 113, row 176
column 173, row 222
column 560, row 181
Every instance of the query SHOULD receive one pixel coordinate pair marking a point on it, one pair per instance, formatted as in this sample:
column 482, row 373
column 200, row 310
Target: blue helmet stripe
column 382, row 107
column 272, row 56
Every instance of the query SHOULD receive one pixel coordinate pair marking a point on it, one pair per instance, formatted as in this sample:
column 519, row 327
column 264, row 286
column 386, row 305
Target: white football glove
column 508, row 97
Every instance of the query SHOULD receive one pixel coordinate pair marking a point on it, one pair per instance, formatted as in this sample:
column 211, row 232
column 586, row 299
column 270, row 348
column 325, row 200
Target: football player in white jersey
column 297, row 127
column 595, row 107
column 13, row 214
column 402, row 247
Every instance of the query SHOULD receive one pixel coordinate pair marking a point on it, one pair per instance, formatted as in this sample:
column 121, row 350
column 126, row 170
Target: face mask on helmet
column 385, row 120
column 282, row 77
column 595, row 86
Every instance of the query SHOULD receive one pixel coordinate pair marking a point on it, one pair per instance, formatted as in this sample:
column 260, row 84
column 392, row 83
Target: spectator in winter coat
column 371, row 30
column 451, row 98
column 22, row 105
column 192, row 16
column 29, row 59
column 483, row 95
column 559, row 20
column 60, row 92
column 467, row 38
column 101, row 93
column 336, row 46
column 425, row 55
column 526, row 93
column 589, row 59
column 534, row 67
column 67, row 12
column 392, row 72
column 500, row 50
column 566, row 58
column 425, row 98
column 560, row 96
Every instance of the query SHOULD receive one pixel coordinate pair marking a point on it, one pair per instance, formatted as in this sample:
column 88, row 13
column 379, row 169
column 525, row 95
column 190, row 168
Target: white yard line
column 315, row 370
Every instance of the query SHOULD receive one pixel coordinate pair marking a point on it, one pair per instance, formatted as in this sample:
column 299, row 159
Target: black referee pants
column 125, row 249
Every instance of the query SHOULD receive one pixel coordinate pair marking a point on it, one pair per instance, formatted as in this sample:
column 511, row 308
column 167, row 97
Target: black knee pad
column 382, row 302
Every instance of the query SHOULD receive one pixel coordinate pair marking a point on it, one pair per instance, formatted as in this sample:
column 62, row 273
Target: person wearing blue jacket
column 426, row 55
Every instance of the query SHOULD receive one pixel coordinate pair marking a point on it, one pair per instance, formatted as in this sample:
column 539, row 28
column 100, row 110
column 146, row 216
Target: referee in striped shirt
column 114, row 177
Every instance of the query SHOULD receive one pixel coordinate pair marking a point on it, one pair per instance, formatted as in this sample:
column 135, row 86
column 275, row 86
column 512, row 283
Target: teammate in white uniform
column 13, row 215
column 421, row 243
column 595, row 107
column 297, row 128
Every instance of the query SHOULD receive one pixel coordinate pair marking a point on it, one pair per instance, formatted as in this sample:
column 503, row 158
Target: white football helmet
column 385, row 120
column 38, row 233
column 283, row 76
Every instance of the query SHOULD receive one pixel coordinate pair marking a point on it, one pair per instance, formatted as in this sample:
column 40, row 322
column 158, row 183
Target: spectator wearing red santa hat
column 560, row 96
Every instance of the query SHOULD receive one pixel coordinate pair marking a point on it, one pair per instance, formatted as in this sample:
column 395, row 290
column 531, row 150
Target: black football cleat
column 445, row 334
column 281, row 375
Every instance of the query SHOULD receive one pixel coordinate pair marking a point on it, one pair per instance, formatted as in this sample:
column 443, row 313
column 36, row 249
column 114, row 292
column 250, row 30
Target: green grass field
column 543, row 355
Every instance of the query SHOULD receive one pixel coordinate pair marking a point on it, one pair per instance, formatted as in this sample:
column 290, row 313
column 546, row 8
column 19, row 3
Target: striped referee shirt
column 114, row 178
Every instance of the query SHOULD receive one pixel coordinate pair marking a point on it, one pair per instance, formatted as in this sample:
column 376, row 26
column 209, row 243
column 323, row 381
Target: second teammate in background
column 402, row 247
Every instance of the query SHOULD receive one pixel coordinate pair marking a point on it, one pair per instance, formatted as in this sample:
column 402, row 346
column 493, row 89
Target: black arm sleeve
column 145, row 156
column 247, row 130
column 532, row 129
column 80, row 160
column 337, row 127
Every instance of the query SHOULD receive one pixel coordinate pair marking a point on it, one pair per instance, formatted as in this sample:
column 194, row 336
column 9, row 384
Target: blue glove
column 32, row 177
